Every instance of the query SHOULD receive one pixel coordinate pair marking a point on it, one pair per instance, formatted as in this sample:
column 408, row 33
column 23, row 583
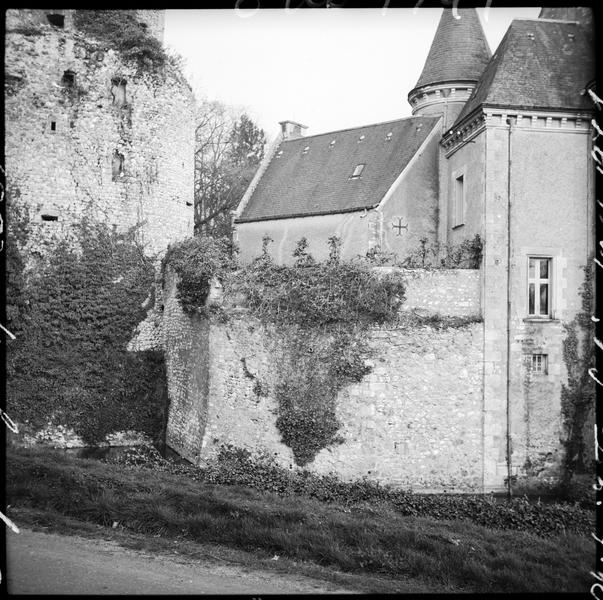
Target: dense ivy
column 578, row 395
column 236, row 466
column 321, row 311
column 121, row 31
column 73, row 312
column 197, row 261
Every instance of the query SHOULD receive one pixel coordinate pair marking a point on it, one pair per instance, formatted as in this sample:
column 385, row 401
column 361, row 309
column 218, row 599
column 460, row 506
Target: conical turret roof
column 459, row 51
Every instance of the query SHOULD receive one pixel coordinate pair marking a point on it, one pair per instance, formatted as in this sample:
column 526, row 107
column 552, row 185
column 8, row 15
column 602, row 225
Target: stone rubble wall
column 60, row 141
column 414, row 420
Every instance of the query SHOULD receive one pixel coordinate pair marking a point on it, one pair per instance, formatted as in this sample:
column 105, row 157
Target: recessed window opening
column 53, row 125
column 49, row 218
column 189, row 203
column 459, row 201
column 357, row 171
column 117, row 166
column 537, row 363
column 68, row 79
column 118, row 90
column 56, row 19
column 539, row 287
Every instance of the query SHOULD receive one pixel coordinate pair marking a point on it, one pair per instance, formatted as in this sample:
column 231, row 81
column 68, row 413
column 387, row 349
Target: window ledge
column 541, row 320
column 458, row 226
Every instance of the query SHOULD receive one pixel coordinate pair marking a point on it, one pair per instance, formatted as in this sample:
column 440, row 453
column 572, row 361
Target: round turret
column 458, row 56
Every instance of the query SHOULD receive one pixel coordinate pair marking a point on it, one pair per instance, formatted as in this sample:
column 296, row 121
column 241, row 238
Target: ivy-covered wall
column 406, row 406
column 73, row 310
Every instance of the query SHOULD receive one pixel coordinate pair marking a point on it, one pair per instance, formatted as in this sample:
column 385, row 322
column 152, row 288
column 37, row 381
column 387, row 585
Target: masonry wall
column 61, row 140
column 355, row 229
column 550, row 201
column 413, row 204
column 415, row 420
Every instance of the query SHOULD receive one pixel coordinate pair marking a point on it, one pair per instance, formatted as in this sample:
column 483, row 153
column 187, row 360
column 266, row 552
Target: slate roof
column 459, row 51
column 540, row 65
column 317, row 181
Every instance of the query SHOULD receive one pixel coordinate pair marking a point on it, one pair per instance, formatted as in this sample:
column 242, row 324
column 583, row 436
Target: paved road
column 48, row 563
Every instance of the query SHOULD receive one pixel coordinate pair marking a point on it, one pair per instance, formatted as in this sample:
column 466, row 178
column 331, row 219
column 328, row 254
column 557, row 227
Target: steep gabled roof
column 538, row 64
column 459, row 51
column 312, row 175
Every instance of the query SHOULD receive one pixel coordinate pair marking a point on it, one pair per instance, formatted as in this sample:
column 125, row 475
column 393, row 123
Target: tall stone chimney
column 292, row 130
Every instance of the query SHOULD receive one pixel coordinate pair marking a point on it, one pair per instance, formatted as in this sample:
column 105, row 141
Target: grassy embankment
column 402, row 552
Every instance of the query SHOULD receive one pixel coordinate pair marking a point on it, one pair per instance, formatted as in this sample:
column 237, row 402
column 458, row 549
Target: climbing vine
column 578, row 396
column 320, row 312
column 73, row 311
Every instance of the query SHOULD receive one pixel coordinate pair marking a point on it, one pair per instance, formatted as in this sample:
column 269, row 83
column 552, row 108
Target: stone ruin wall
column 63, row 141
column 415, row 420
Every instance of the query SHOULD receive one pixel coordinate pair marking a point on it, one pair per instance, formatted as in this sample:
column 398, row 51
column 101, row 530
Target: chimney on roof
column 292, row 130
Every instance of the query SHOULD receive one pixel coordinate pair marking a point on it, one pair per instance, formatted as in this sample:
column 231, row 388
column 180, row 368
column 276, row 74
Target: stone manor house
column 498, row 145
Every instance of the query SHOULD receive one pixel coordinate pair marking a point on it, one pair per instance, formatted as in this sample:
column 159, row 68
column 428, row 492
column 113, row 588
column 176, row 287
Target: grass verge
column 451, row 555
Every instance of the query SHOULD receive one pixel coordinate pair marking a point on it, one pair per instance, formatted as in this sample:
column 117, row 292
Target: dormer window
column 388, row 137
column 360, row 138
column 357, row 171
column 332, row 143
column 306, row 150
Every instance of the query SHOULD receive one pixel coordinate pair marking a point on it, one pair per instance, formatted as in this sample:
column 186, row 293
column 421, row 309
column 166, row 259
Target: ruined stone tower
column 97, row 128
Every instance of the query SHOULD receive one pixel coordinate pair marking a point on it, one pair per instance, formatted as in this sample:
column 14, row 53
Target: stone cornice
column 435, row 94
column 525, row 119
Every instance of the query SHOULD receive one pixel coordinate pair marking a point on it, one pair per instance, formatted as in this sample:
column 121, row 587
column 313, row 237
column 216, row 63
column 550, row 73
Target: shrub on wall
column 73, row 312
column 320, row 311
column 121, row 31
column 197, row 261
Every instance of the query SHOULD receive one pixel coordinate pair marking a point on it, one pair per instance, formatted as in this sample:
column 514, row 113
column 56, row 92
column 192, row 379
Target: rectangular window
column 459, row 201
column 539, row 287
column 537, row 363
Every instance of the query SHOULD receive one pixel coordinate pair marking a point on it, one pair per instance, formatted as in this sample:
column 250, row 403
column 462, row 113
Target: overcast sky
column 326, row 68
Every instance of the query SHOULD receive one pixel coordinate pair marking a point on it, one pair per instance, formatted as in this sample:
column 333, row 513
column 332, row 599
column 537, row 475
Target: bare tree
column 229, row 148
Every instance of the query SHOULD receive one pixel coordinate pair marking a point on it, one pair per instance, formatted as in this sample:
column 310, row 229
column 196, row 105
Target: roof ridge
column 305, row 137
column 538, row 20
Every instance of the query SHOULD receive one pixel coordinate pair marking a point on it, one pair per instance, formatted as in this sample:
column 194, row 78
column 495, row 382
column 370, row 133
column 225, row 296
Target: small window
column 118, row 90
column 189, row 203
column 53, row 125
column 56, row 19
column 68, row 79
column 357, row 171
column 539, row 287
column 537, row 363
column 459, row 201
column 49, row 217
column 117, row 166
